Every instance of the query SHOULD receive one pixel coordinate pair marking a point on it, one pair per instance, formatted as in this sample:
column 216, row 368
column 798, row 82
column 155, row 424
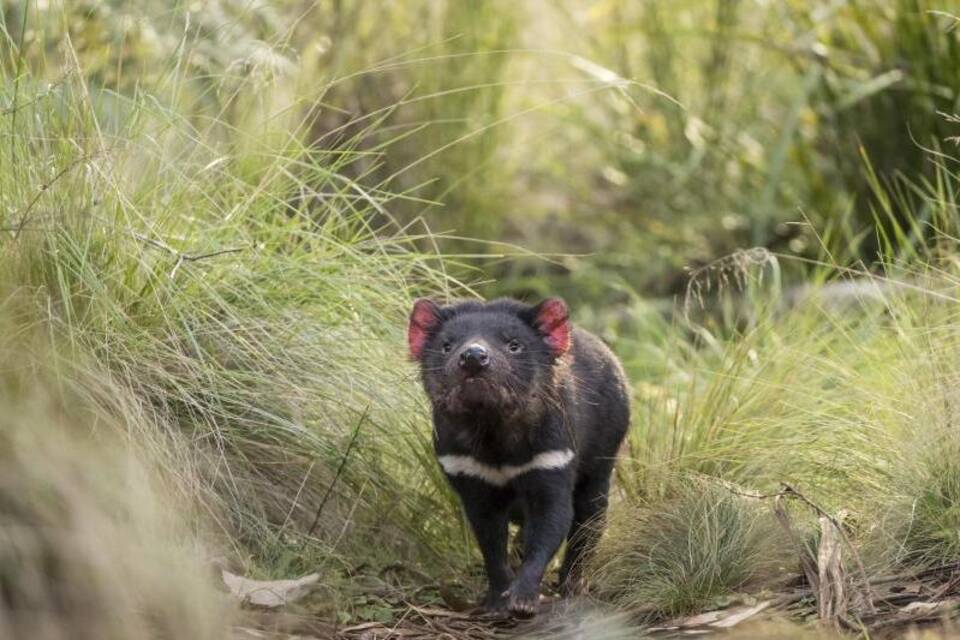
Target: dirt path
column 557, row 619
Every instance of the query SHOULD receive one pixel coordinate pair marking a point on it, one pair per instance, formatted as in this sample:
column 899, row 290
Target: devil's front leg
column 487, row 510
column 547, row 498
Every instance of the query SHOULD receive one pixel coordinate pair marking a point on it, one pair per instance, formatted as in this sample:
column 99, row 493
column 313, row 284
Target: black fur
column 526, row 401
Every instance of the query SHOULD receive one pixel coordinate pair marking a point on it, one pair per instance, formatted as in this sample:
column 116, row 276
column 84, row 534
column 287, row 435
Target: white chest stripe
column 500, row 476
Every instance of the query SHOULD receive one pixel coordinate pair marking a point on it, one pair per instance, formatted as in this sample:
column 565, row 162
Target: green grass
column 847, row 395
column 631, row 134
column 247, row 301
column 687, row 548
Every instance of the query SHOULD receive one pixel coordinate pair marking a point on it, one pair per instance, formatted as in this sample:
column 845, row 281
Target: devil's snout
column 474, row 358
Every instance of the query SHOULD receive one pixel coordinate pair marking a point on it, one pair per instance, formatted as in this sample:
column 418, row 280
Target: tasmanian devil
column 528, row 414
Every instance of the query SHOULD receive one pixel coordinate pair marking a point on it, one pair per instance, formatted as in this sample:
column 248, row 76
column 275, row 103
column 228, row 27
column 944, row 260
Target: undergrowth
column 845, row 390
column 247, row 300
column 203, row 274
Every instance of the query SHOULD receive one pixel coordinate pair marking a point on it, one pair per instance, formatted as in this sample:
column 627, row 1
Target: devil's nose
column 474, row 358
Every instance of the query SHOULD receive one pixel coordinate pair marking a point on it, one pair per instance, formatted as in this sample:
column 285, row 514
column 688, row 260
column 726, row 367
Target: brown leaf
column 269, row 594
column 701, row 619
column 740, row 614
column 921, row 607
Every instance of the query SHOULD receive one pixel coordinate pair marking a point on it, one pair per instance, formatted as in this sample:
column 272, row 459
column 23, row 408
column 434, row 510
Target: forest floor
column 920, row 604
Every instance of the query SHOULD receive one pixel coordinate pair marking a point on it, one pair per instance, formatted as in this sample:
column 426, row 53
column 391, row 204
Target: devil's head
column 491, row 357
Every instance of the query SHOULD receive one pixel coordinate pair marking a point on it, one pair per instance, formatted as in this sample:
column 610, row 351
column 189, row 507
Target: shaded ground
column 557, row 619
column 928, row 599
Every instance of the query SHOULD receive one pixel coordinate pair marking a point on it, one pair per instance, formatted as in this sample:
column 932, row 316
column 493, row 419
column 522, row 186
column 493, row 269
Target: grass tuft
column 686, row 549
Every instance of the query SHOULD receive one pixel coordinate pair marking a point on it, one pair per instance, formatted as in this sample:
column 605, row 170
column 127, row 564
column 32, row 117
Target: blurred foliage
column 543, row 125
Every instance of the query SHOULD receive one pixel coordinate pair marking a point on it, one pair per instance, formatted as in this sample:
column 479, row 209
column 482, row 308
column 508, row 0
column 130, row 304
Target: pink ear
column 551, row 318
column 423, row 319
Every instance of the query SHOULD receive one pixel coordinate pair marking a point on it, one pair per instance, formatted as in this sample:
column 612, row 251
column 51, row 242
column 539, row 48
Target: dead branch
column 789, row 490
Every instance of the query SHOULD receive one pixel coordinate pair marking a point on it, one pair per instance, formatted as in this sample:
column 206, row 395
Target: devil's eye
column 514, row 346
column 447, row 347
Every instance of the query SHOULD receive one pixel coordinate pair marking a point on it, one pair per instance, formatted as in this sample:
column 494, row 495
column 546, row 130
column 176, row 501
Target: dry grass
column 98, row 541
